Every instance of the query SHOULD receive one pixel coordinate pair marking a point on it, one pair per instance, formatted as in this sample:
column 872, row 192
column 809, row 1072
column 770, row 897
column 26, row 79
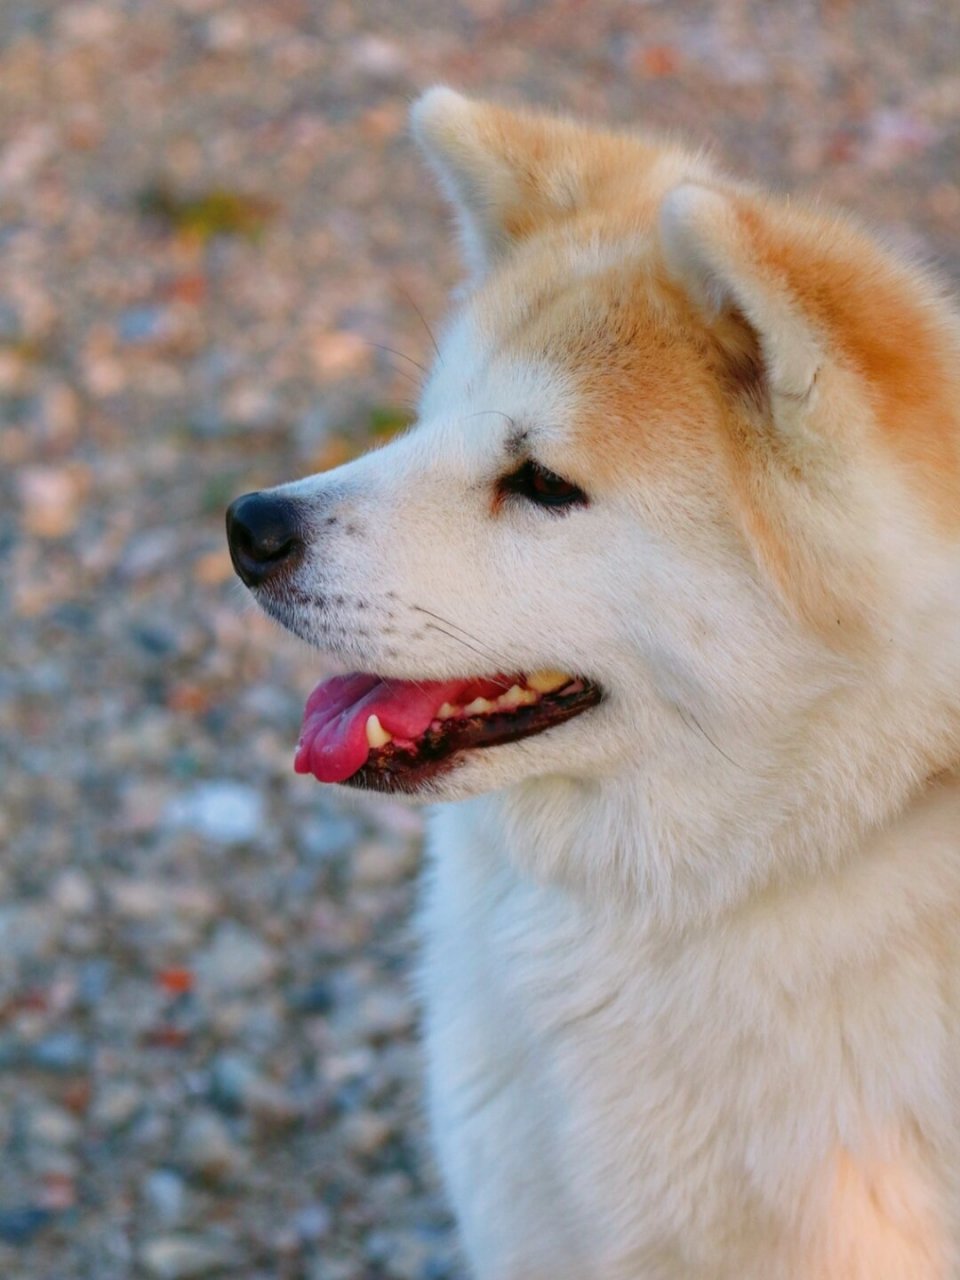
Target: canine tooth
column 516, row 697
column 548, row 681
column 377, row 735
column 478, row 706
column 447, row 712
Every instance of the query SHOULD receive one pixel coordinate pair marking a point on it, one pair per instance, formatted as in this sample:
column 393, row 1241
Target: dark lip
column 393, row 770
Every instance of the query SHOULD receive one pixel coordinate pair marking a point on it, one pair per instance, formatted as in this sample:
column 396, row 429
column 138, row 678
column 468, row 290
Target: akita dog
column 663, row 591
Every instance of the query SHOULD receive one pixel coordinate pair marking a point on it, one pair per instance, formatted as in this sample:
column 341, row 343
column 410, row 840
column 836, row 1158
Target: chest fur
column 611, row 1103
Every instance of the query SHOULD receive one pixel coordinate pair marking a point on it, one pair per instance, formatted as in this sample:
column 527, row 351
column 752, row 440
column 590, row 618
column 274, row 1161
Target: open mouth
column 395, row 735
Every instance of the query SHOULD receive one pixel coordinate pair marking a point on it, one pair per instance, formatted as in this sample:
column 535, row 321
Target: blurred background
column 211, row 225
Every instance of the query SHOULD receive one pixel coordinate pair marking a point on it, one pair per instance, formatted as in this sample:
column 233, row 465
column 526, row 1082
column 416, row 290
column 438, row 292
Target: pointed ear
column 498, row 168
column 741, row 265
column 508, row 173
column 715, row 246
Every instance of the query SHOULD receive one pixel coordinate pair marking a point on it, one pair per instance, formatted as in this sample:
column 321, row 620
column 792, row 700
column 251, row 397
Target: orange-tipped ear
column 712, row 249
column 509, row 173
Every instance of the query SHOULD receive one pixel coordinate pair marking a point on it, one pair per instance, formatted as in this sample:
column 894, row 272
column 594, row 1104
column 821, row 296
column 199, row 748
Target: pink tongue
column 333, row 740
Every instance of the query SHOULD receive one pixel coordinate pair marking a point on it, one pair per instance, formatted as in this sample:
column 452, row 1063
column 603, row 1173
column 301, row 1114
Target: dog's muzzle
column 265, row 537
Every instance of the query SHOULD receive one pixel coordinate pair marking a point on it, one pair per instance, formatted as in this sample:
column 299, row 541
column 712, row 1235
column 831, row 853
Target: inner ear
column 740, row 359
column 717, row 248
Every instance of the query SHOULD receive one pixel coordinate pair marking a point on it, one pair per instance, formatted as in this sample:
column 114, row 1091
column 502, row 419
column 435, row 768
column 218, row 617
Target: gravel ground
column 211, row 223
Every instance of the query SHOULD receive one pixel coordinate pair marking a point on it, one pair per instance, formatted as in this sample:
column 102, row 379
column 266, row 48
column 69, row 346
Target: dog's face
column 656, row 507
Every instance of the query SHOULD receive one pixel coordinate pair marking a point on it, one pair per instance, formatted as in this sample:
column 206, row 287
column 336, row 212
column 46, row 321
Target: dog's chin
column 471, row 773
column 462, row 776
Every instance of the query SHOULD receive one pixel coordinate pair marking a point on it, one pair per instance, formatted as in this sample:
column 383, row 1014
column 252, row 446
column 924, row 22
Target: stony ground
column 211, row 223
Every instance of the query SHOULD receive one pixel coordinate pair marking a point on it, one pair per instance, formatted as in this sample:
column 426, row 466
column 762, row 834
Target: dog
column 659, row 605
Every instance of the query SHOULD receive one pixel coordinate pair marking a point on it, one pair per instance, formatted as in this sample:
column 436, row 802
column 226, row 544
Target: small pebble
column 73, row 893
column 377, row 862
column 326, row 837
column 51, row 1126
column 19, row 1226
column 165, row 1194
column 385, row 1014
column 225, row 812
column 206, row 1148
column 147, row 553
column 50, row 500
column 332, row 1269
column 143, row 324
column 61, row 1052
column 116, row 1104
column 186, row 1257
column 232, row 1076
column 377, row 58
column 366, row 1132
column 313, row 1223
column 341, row 1069
column 423, row 1254
column 237, row 960
column 316, row 998
column 26, row 930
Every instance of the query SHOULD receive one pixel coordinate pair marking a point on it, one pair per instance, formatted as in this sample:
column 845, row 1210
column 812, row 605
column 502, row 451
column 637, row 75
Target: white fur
column 691, row 961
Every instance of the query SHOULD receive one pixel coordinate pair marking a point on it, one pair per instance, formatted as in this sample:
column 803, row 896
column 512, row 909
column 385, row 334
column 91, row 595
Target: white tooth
column 377, row 735
column 548, row 681
column 478, row 707
column 447, row 712
column 516, row 697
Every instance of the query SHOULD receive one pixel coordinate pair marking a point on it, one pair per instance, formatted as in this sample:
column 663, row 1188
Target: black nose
column 264, row 535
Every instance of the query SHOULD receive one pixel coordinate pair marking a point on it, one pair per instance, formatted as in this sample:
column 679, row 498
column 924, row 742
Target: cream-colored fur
column 692, row 959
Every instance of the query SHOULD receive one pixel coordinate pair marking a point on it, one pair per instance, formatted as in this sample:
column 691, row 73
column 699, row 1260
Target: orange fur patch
column 676, row 396
column 889, row 324
column 881, row 1224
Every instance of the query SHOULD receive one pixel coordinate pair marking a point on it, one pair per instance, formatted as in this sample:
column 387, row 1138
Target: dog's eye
column 545, row 488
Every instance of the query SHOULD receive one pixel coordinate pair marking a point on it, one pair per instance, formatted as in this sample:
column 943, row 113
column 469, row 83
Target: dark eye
column 545, row 488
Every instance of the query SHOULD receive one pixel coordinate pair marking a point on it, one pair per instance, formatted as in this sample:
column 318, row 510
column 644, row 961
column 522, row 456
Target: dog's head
column 686, row 470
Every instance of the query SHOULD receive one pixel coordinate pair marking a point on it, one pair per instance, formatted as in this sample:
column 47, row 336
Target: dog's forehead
column 489, row 397
column 583, row 349
column 486, row 352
